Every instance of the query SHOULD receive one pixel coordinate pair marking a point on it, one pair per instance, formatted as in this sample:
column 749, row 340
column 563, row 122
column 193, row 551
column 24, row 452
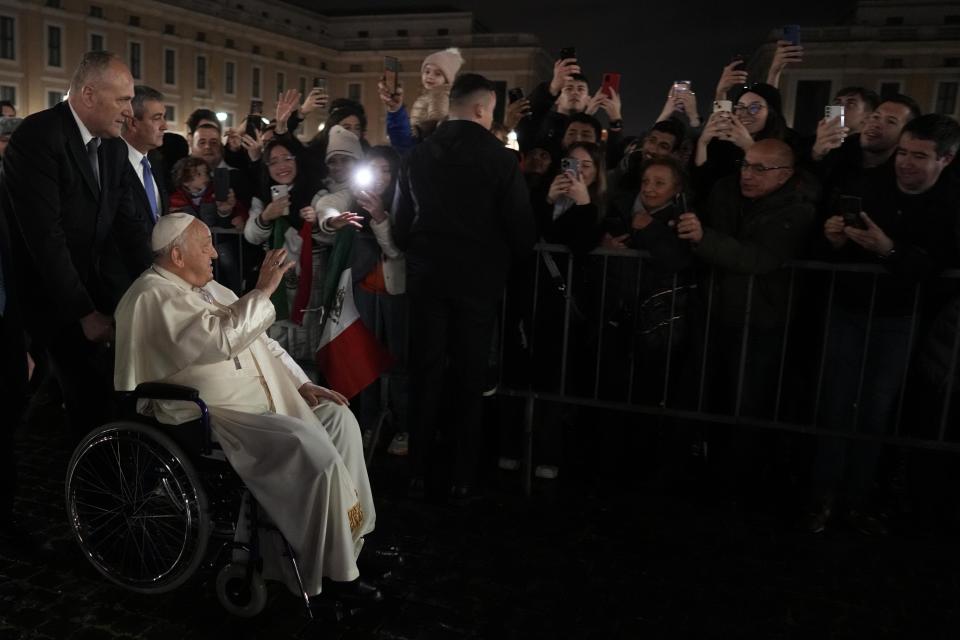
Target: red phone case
column 611, row 81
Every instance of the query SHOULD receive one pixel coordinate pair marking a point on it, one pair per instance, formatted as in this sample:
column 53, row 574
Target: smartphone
column 832, row 111
column 724, row 106
column 221, row 184
column 278, row 191
column 570, row 165
column 515, row 94
column 256, row 106
column 737, row 58
column 567, row 53
column 679, row 86
column 320, row 83
column 611, row 83
column 254, row 124
column 391, row 67
column 850, row 208
column 791, row 33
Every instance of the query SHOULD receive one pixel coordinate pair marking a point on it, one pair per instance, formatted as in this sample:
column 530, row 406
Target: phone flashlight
column 363, row 177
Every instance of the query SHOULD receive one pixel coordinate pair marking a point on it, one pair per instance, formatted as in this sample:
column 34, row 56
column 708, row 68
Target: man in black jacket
column 73, row 227
column 907, row 226
column 464, row 214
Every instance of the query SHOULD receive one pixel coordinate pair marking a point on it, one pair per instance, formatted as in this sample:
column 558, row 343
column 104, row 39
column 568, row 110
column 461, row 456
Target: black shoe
column 865, row 523
column 353, row 592
column 416, row 488
column 462, row 495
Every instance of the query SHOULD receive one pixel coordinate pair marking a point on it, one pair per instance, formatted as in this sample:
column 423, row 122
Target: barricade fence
column 819, row 348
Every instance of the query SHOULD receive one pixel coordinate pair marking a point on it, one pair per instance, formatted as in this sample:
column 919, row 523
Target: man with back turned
column 464, row 214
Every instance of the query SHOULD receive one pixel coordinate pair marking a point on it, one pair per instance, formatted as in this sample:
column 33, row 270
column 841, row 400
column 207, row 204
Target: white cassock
column 303, row 465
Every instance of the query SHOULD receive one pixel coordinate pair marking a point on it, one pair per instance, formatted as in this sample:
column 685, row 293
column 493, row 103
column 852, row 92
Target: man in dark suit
column 143, row 133
column 67, row 197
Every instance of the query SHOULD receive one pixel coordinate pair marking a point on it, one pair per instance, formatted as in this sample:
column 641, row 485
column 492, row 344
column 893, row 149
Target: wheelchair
column 138, row 505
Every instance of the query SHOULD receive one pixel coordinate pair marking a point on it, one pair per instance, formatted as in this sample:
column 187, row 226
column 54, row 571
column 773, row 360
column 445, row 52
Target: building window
column 402, row 33
column 97, row 42
column 170, row 113
column 303, row 61
column 255, row 83
column 201, row 73
column 53, row 4
column 363, row 34
column 256, row 49
column 951, row 19
column 323, row 66
column 8, row 93
column 281, row 82
column 894, row 21
column 170, row 67
column 892, row 63
column 136, row 60
column 355, row 91
column 229, row 77
column 133, row 21
column 169, row 29
column 946, row 98
column 229, row 44
column 201, row 36
column 8, row 38
column 54, row 98
column 443, row 32
column 951, row 62
column 54, row 41
column 96, row 12
column 888, row 89
column 356, row 68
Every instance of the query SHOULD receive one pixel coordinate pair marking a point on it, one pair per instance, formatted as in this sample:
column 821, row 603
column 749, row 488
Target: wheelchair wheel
column 242, row 596
column 136, row 507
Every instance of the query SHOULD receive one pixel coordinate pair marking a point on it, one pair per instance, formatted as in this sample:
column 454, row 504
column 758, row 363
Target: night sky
column 650, row 43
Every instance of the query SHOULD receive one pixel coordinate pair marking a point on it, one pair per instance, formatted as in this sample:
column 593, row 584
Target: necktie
column 148, row 187
column 92, row 147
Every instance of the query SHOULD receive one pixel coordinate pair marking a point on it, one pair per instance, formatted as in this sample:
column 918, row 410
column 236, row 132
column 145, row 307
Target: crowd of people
column 111, row 225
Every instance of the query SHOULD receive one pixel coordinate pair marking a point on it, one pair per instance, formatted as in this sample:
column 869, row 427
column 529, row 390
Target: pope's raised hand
column 272, row 269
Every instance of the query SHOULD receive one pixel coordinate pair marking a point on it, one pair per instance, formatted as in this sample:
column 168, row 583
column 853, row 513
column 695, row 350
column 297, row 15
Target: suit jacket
column 75, row 246
column 141, row 203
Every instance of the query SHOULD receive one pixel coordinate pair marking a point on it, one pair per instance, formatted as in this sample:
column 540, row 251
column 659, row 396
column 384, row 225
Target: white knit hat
column 344, row 143
column 168, row 228
column 449, row 61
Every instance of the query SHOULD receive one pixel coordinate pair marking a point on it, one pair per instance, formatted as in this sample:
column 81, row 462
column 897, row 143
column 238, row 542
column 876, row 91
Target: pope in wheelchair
column 295, row 445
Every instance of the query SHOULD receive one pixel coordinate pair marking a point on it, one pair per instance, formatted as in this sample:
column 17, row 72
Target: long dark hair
column 597, row 190
column 388, row 153
column 303, row 188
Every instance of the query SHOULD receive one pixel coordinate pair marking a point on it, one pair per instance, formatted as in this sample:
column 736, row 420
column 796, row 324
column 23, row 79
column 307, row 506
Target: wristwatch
column 616, row 124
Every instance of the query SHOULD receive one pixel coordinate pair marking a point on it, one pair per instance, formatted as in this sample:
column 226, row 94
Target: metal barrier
column 598, row 324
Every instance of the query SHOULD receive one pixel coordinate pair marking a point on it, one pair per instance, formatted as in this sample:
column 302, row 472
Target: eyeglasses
column 757, row 168
column 753, row 108
column 280, row 159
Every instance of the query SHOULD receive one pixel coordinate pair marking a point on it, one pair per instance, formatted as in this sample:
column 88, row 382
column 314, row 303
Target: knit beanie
column 344, row 143
column 766, row 91
column 449, row 61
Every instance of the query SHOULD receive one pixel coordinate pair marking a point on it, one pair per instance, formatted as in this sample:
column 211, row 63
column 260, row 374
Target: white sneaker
column 546, row 471
column 508, row 464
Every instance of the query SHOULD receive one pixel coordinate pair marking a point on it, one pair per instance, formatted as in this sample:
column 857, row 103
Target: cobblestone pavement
column 588, row 557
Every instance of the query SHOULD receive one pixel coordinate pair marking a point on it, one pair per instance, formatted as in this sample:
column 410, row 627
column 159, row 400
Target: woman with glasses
column 756, row 115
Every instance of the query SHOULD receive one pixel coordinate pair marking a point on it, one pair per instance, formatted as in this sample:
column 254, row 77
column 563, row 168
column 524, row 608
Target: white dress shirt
column 136, row 158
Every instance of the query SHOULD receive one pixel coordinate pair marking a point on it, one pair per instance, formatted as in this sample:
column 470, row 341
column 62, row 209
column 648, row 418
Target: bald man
column 76, row 241
column 753, row 223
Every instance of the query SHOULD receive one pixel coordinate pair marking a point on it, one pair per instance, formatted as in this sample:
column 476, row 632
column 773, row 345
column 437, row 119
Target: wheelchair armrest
column 176, row 392
column 162, row 391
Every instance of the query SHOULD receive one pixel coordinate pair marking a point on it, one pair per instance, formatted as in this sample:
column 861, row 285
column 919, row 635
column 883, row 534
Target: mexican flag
column 349, row 355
